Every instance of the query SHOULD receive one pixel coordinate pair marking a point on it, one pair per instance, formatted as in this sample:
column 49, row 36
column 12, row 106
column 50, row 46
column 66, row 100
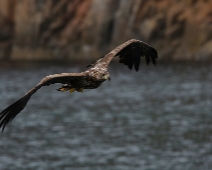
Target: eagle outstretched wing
column 129, row 53
column 11, row 111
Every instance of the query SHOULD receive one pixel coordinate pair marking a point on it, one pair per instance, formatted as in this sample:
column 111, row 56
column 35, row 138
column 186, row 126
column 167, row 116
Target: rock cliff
column 85, row 29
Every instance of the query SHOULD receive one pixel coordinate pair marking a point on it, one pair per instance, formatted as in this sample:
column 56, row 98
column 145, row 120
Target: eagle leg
column 63, row 89
column 80, row 90
column 72, row 90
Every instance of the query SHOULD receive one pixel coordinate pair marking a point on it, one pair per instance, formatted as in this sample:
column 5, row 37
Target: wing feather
column 129, row 53
column 136, row 58
column 8, row 114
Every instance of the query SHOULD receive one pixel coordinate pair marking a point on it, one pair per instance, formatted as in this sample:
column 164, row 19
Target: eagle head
column 106, row 76
column 102, row 75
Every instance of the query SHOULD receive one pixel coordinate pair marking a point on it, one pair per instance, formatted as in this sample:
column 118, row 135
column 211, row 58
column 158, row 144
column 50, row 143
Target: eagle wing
column 11, row 111
column 129, row 54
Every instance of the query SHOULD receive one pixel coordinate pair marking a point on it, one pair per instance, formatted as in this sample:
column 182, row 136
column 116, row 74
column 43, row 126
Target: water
column 156, row 119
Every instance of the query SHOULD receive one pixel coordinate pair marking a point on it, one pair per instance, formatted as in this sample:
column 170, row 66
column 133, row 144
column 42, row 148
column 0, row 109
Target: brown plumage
column 129, row 53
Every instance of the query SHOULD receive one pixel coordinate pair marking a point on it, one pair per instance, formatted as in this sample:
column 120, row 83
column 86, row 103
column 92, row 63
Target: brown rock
column 87, row 29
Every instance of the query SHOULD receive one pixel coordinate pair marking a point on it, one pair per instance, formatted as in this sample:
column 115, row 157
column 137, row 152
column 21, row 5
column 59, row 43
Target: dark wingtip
column 147, row 59
column 8, row 114
column 153, row 61
column 153, row 55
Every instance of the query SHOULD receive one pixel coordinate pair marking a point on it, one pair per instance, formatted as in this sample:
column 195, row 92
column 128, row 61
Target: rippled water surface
column 159, row 118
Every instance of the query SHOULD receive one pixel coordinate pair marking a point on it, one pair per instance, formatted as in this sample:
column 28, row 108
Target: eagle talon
column 72, row 90
column 62, row 89
column 80, row 90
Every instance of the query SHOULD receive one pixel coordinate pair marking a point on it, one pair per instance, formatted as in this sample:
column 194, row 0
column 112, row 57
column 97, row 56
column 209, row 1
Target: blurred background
column 156, row 119
column 76, row 29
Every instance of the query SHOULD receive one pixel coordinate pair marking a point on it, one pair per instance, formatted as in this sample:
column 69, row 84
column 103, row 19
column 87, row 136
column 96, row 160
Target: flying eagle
column 129, row 53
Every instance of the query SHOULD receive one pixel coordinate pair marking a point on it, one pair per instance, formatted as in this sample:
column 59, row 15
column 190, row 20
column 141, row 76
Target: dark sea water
column 159, row 118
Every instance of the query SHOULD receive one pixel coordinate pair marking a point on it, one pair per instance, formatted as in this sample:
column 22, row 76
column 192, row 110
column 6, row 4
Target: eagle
column 129, row 53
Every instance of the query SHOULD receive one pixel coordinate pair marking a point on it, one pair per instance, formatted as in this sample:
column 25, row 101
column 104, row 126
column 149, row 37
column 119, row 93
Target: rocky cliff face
column 84, row 29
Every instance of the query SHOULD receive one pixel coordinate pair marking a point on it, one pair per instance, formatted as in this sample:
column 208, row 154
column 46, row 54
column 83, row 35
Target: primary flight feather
column 129, row 53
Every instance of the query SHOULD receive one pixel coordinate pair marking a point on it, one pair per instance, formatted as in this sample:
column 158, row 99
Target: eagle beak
column 106, row 77
column 109, row 78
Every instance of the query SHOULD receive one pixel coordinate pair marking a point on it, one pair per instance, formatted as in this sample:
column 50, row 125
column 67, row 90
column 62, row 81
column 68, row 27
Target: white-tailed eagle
column 129, row 53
